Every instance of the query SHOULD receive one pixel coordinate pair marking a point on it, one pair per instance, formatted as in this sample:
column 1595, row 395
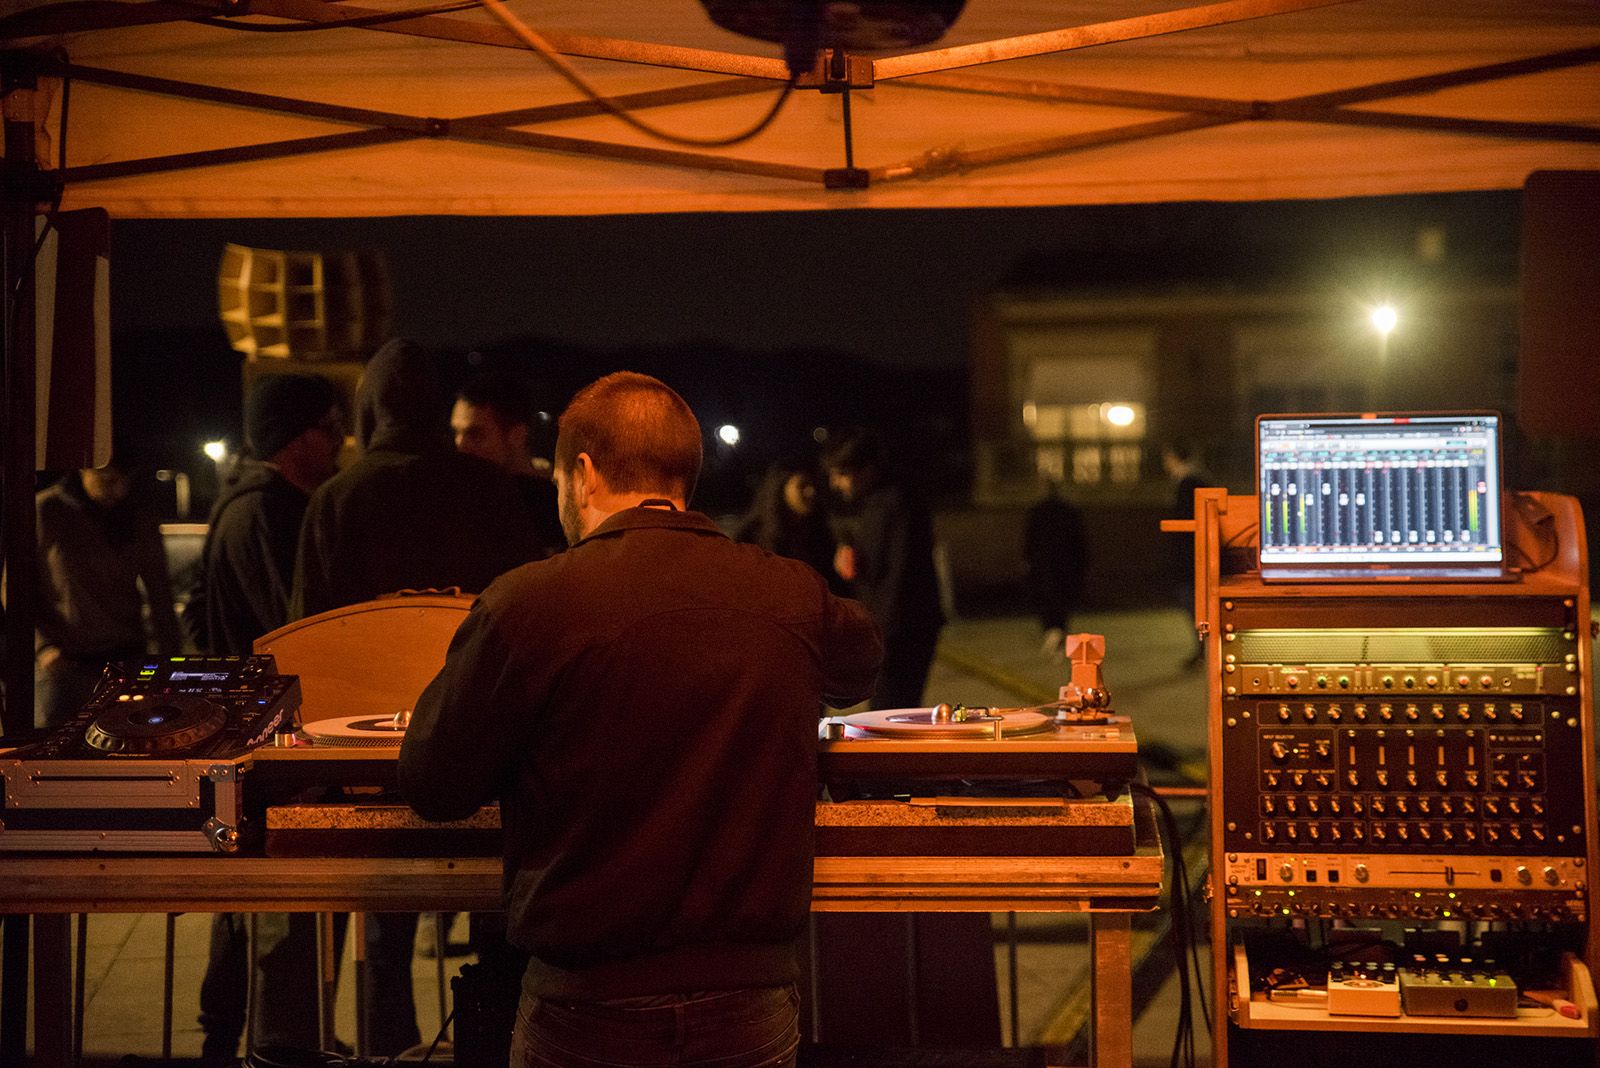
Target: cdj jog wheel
column 152, row 726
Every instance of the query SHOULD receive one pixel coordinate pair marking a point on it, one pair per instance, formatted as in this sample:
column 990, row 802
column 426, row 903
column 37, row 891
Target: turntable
column 1076, row 739
column 953, row 780
column 153, row 762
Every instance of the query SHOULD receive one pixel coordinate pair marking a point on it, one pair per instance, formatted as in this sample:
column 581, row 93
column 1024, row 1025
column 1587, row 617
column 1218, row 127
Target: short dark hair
column 1182, row 449
column 505, row 394
column 854, row 451
column 640, row 434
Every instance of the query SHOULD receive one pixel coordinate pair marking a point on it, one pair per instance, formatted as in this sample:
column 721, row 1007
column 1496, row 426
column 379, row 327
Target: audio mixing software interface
column 1379, row 489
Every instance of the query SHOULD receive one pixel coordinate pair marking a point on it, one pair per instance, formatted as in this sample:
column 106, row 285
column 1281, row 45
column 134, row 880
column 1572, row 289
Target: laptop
column 1393, row 497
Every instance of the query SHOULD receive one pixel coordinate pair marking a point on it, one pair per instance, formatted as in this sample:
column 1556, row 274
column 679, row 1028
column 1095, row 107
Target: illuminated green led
column 1286, row 912
column 1291, row 893
column 1446, row 914
column 1451, row 896
column 1258, row 893
column 1416, row 893
column 1493, row 982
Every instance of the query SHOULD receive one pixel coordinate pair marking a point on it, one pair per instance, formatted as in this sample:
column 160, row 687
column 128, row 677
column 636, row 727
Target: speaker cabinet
column 1558, row 376
column 303, row 305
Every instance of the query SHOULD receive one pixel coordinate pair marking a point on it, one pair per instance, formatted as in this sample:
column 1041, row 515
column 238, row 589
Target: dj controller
column 153, row 762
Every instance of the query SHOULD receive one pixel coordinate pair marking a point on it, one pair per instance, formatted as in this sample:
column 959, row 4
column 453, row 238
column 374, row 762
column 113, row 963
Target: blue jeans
column 754, row 1028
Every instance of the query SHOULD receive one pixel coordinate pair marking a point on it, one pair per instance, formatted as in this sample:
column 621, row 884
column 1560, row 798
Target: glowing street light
column 1384, row 319
column 1120, row 415
column 728, row 434
column 216, row 451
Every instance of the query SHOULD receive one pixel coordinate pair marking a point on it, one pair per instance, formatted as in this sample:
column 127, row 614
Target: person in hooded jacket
column 293, row 431
column 101, row 566
column 411, row 513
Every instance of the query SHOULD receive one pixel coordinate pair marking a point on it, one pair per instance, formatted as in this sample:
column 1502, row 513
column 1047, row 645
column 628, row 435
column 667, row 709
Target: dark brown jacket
column 645, row 708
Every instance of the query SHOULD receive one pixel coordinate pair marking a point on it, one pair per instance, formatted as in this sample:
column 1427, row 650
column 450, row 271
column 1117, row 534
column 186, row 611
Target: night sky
column 794, row 319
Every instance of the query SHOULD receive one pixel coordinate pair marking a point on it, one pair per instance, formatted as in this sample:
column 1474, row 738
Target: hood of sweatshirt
column 402, row 404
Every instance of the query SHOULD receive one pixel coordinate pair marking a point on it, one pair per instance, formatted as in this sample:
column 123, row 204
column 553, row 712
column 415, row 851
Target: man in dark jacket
column 412, row 513
column 293, row 430
column 493, row 419
column 886, row 551
column 644, row 705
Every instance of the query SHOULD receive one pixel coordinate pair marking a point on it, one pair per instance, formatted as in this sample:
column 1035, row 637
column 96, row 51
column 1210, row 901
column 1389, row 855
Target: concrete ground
column 990, row 661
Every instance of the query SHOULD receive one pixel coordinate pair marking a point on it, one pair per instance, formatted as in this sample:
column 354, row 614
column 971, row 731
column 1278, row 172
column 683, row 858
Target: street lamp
column 216, row 451
column 1384, row 319
column 728, row 434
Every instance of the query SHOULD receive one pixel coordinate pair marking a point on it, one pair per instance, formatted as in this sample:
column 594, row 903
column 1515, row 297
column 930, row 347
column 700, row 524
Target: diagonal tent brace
column 1099, row 33
column 836, row 72
column 1213, row 111
column 392, row 127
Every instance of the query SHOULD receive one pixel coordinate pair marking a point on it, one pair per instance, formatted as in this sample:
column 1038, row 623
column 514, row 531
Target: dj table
column 52, row 888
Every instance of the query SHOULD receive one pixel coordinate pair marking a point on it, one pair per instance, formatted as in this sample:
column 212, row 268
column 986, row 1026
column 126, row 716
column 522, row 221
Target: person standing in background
column 293, row 431
column 411, row 513
column 787, row 518
column 1056, row 556
column 887, row 556
column 493, row 419
column 1181, row 462
column 101, row 563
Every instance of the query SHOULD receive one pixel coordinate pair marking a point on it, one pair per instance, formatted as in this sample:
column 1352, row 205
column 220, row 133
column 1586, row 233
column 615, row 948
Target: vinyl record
column 356, row 731
column 945, row 721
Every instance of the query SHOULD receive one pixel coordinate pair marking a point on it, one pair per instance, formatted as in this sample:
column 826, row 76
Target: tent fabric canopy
column 1305, row 100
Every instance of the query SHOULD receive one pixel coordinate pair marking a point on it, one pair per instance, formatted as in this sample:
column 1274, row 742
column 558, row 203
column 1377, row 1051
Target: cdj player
column 152, row 762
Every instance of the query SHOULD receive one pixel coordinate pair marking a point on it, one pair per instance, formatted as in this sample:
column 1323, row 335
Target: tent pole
column 20, row 184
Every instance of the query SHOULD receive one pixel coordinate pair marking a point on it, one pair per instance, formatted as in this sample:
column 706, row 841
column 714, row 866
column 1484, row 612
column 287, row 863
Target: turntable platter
column 357, row 731
column 943, row 721
column 149, row 726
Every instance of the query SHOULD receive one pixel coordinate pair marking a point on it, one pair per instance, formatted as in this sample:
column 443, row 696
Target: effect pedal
column 1363, row 989
column 1446, row 985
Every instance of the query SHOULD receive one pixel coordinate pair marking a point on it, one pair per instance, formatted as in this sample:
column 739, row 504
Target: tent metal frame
column 927, row 70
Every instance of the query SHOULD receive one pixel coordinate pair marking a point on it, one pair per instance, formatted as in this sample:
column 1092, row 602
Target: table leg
column 52, row 989
column 14, row 990
column 441, row 933
column 358, row 923
column 327, row 974
column 80, row 970
column 1111, row 968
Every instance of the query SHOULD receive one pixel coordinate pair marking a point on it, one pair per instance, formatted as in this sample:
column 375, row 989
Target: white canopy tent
column 452, row 114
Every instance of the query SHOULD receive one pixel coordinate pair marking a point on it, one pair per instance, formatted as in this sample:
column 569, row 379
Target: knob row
column 1408, row 833
column 1384, row 805
column 1502, row 712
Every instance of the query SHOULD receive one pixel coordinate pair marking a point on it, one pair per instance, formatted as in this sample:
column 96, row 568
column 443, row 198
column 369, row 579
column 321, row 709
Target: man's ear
column 585, row 481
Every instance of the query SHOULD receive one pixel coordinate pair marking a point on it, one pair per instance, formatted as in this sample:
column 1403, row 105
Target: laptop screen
column 1381, row 490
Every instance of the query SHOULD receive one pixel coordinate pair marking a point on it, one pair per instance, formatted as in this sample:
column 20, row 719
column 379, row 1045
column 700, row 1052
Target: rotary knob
column 1551, row 876
column 1524, row 876
column 1286, row 872
column 1361, row 873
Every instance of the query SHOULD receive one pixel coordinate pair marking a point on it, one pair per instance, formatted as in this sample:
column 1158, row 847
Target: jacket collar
column 653, row 519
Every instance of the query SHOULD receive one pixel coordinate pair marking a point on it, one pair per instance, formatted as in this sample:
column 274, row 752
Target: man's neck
column 604, row 505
